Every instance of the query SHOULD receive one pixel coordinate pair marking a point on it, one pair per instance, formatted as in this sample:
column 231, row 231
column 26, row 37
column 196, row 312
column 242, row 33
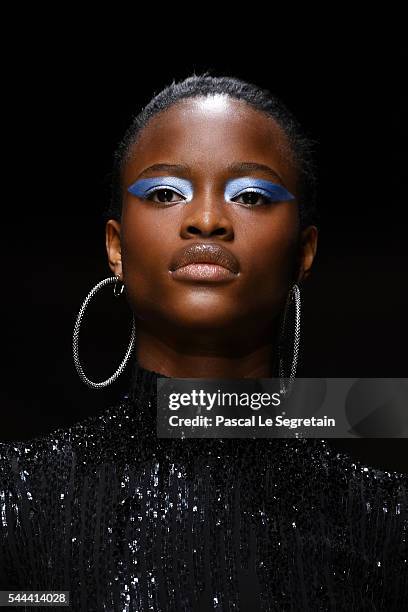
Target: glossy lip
column 185, row 264
column 203, row 272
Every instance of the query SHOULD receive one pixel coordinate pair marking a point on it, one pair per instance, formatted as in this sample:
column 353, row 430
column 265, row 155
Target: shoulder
column 342, row 465
column 370, row 503
column 340, row 473
column 20, row 459
column 338, row 486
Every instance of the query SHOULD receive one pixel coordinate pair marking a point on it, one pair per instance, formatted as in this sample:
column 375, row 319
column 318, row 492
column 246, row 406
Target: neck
column 204, row 359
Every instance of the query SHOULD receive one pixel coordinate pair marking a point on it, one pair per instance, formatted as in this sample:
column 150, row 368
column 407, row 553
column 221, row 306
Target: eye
column 163, row 195
column 251, row 196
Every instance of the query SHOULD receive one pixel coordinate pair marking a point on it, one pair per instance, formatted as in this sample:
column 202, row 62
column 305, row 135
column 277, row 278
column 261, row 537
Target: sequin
column 128, row 521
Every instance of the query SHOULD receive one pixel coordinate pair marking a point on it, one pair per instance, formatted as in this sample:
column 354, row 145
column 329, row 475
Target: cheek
column 269, row 256
column 146, row 251
column 145, row 241
column 272, row 254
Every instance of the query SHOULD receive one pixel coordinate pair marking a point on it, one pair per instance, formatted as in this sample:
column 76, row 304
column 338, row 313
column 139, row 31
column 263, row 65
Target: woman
column 211, row 229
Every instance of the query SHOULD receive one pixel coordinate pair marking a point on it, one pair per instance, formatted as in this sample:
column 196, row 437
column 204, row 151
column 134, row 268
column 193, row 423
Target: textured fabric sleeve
column 387, row 516
column 370, row 505
column 9, row 516
column 22, row 528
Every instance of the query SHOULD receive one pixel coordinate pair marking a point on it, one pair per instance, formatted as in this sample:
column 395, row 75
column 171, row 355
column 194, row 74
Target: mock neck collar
column 142, row 393
column 143, row 382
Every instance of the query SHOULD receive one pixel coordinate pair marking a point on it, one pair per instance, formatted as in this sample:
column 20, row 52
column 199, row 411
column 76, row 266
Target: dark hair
column 261, row 99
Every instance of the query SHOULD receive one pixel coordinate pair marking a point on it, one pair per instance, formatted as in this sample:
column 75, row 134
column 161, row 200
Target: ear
column 113, row 247
column 307, row 251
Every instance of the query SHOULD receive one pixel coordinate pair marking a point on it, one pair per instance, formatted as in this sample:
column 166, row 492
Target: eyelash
column 155, row 190
column 261, row 193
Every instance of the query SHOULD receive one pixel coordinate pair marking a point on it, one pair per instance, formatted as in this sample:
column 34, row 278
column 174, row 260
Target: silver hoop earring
column 75, row 342
column 288, row 351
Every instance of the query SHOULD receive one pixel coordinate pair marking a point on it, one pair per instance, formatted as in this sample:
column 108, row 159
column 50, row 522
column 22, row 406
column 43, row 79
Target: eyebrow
column 241, row 167
column 235, row 168
column 164, row 168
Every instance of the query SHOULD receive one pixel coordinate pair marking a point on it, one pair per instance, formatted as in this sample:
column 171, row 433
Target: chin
column 205, row 321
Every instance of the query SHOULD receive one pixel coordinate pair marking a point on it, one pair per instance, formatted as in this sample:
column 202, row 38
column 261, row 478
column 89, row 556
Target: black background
column 68, row 101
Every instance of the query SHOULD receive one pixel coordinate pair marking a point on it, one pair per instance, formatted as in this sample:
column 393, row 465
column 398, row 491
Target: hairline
column 285, row 148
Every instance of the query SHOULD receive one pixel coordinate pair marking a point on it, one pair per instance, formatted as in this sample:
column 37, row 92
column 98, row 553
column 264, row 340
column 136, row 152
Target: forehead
column 209, row 133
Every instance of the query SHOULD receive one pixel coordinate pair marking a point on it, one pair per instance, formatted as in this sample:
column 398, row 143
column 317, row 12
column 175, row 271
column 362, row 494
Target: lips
column 201, row 253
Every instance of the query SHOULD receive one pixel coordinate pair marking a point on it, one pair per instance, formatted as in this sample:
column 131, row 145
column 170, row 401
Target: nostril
column 217, row 232
column 193, row 230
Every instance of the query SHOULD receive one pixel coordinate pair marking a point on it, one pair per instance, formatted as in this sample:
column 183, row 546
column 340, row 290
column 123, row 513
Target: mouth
column 203, row 272
column 204, row 262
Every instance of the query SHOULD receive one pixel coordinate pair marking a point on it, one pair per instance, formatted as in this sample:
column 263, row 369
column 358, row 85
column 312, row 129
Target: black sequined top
column 127, row 521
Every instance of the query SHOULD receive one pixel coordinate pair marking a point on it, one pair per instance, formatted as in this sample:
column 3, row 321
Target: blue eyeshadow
column 271, row 190
column 143, row 187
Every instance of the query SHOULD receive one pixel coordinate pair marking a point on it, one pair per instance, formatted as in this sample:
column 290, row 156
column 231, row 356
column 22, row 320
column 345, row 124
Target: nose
column 205, row 216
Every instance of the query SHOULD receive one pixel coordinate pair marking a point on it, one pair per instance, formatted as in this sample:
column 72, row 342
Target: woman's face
column 210, row 171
